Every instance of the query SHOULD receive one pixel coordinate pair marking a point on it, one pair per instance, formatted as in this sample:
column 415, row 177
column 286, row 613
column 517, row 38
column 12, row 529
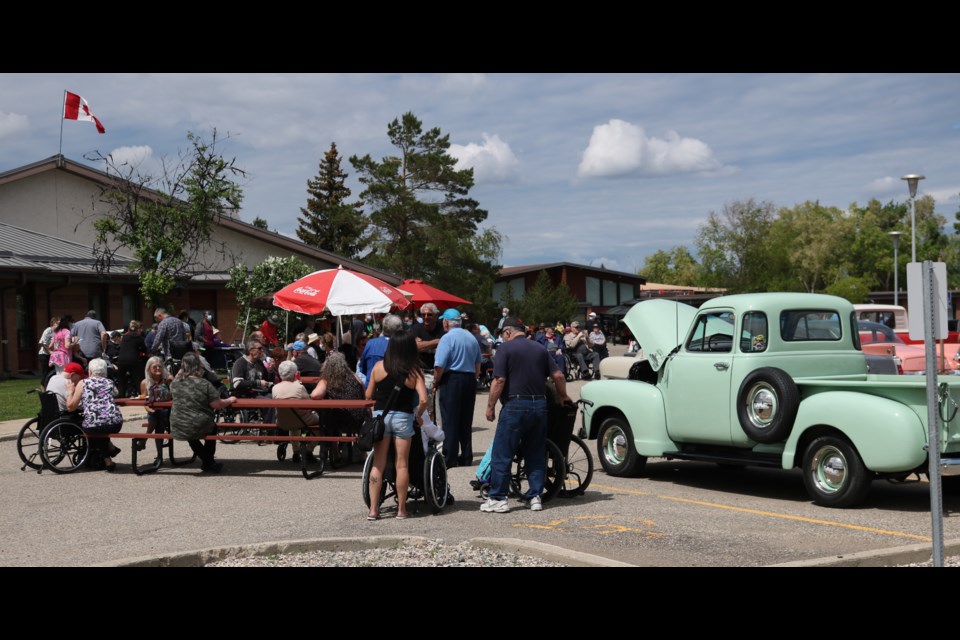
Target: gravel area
column 432, row 554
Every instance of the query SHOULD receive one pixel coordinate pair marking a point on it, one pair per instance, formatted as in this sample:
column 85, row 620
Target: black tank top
column 406, row 399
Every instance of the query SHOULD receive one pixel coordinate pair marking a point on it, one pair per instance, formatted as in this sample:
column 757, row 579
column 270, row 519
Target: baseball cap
column 593, row 314
column 450, row 314
column 74, row 367
column 514, row 323
column 297, row 346
column 274, row 320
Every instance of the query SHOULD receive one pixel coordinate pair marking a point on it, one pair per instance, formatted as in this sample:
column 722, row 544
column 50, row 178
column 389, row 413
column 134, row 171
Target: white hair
column 97, row 368
column 287, row 370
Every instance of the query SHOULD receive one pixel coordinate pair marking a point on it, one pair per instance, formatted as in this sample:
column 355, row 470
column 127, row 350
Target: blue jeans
column 522, row 428
column 458, row 397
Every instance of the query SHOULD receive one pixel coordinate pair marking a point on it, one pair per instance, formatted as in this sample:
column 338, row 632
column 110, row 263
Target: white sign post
column 928, row 282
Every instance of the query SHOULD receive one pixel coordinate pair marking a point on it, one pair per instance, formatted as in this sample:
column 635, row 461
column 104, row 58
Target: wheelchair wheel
column 553, row 478
column 573, row 369
column 435, row 481
column 579, row 469
column 28, row 445
column 228, row 414
column 63, row 447
column 367, row 468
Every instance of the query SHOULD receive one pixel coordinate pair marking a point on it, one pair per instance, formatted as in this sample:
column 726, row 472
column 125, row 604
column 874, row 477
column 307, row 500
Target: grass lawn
column 14, row 401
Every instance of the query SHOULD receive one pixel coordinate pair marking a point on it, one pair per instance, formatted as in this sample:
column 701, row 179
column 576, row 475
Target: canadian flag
column 76, row 108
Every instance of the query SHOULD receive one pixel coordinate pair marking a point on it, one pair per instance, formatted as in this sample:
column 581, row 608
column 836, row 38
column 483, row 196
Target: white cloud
column 884, row 186
column 11, row 123
column 620, row 148
column 492, row 161
column 134, row 156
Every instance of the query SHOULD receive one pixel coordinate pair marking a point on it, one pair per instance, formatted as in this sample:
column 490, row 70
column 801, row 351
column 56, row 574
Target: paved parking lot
column 678, row 514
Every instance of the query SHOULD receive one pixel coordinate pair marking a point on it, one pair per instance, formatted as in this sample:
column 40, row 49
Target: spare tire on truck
column 767, row 405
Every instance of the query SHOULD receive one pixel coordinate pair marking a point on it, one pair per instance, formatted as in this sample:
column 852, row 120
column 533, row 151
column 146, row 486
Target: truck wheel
column 615, row 448
column 834, row 474
column 767, row 405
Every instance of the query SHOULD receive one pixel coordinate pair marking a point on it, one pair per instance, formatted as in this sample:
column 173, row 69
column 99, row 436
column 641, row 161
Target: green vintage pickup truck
column 767, row 379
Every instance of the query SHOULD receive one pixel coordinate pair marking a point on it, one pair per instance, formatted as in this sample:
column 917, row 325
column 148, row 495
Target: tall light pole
column 895, row 236
column 912, row 180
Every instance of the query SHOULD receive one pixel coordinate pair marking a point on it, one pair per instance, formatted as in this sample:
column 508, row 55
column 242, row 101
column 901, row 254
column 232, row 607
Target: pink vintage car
column 879, row 339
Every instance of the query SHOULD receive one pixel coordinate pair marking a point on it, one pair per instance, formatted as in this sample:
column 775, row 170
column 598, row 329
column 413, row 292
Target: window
column 592, row 286
column 803, row 325
column 712, row 332
column 609, row 293
column 626, row 292
column 129, row 303
column 753, row 332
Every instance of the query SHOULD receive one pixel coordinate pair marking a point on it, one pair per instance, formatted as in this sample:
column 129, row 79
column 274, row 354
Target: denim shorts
column 397, row 424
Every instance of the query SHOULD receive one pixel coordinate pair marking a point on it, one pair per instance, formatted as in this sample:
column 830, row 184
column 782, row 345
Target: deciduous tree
column 265, row 279
column 165, row 222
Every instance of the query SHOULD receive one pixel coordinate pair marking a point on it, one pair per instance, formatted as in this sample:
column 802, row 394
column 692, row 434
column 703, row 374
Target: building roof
column 61, row 163
column 515, row 271
column 26, row 250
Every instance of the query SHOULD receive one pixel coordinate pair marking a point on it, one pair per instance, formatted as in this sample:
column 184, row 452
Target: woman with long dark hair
column 400, row 365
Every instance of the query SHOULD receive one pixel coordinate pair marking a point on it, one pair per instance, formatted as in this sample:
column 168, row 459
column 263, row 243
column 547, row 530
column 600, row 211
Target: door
column 697, row 381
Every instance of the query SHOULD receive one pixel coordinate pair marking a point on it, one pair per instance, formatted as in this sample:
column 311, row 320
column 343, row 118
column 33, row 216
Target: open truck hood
column 659, row 326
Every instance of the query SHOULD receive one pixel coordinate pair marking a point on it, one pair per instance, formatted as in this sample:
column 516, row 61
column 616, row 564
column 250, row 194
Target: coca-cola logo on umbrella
column 306, row 291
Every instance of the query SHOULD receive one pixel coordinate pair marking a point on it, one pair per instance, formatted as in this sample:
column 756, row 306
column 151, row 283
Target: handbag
column 373, row 427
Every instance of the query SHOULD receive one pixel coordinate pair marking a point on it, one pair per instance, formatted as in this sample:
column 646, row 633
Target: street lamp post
column 895, row 236
column 912, row 180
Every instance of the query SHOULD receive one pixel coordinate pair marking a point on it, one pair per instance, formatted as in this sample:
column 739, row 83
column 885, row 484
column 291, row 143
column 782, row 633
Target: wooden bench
column 247, row 403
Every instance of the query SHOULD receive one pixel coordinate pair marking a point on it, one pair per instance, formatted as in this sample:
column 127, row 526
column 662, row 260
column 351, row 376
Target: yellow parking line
column 771, row 514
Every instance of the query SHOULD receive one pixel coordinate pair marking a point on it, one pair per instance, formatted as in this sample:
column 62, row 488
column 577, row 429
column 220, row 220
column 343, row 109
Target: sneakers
column 534, row 504
column 495, row 506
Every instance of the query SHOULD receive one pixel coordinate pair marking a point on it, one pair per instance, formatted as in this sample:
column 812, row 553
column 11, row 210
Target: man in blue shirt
column 456, row 367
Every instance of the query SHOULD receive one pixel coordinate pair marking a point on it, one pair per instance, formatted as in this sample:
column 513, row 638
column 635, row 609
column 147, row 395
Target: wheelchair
column 570, row 464
column 572, row 364
column 28, row 440
column 52, row 440
column 430, row 484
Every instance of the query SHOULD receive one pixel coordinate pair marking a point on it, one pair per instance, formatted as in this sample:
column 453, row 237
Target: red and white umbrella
column 341, row 292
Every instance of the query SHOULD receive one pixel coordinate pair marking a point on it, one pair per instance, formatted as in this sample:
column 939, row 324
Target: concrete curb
column 908, row 554
column 201, row 557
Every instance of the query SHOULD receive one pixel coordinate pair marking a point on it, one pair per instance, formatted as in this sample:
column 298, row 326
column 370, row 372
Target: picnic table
column 247, row 434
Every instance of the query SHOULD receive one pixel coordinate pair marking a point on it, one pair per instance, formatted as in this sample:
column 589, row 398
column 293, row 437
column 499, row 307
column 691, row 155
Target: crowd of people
column 420, row 362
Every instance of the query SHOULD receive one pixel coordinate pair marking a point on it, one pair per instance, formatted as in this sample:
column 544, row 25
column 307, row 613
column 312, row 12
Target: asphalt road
column 680, row 514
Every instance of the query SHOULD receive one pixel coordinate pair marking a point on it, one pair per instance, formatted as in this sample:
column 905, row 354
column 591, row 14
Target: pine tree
column 329, row 222
column 423, row 222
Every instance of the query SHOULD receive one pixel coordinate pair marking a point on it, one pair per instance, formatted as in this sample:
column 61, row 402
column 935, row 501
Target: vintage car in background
column 770, row 379
column 895, row 317
column 879, row 339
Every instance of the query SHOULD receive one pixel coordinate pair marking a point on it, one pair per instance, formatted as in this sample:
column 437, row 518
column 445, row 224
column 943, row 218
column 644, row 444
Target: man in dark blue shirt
column 520, row 373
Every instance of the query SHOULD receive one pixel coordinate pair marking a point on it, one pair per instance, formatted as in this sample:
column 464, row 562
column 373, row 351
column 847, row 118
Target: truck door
column 696, row 382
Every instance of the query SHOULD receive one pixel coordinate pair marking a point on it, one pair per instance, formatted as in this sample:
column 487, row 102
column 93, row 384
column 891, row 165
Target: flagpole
column 62, row 103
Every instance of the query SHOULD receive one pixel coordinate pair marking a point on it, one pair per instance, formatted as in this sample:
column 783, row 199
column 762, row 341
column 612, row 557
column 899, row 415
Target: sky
column 594, row 169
